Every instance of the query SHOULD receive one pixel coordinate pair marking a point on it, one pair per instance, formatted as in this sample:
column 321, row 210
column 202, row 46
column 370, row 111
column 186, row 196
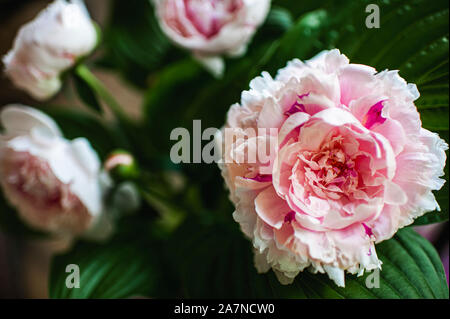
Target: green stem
column 83, row 71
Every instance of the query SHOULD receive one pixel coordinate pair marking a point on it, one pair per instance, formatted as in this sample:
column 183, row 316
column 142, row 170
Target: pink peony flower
column 350, row 165
column 211, row 28
column 49, row 45
column 54, row 184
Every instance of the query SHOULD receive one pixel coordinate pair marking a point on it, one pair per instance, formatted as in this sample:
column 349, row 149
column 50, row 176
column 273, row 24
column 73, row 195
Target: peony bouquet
column 282, row 149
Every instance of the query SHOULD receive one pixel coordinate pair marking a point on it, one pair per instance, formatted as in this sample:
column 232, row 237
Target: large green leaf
column 134, row 43
column 111, row 271
column 214, row 261
column 124, row 267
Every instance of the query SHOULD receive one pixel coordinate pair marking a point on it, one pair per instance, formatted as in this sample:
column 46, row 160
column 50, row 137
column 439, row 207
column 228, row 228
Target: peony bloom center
column 328, row 173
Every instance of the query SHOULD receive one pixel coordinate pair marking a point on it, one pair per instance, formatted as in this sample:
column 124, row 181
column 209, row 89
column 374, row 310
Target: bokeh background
column 24, row 265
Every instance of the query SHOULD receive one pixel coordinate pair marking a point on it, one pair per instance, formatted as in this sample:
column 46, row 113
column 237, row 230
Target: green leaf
column 411, row 269
column 134, row 43
column 75, row 123
column 97, row 89
column 114, row 270
column 279, row 18
column 301, row 41
column 86, row 93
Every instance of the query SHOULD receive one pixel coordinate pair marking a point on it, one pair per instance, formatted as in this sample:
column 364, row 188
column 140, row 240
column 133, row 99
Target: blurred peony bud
column 53, row 183
column 211, row 28
column 49, row 45
column 121, row 166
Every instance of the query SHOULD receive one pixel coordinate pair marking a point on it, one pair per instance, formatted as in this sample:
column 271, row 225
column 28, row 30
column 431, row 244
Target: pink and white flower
column 351, row 165
column 49, row 45
column 211, row 28
column 54, row 184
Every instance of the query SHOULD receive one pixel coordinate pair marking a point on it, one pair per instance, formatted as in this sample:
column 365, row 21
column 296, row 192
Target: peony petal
column 356, row 80
column 294, row 121
column 19, row 119
column 393, row 194
column 335, row 117
column 271, row 208
column 336, row 274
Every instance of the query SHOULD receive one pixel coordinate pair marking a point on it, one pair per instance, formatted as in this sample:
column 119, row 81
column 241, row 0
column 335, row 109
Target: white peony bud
column 49, row 45
column 211, row 28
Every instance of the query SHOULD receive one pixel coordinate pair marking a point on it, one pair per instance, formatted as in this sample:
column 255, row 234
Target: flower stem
column 102, row 92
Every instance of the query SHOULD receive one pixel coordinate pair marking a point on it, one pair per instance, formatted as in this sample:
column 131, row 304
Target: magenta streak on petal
column 217, row 17
column 209, row 30
column 368, row 230
column 289, row 217
column 374, row 116
column 296, row 107
column 261, row 178
column 235, row 6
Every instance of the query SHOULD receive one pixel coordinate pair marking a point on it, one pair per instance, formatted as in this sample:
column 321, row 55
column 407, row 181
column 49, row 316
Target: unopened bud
column 121, row 166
